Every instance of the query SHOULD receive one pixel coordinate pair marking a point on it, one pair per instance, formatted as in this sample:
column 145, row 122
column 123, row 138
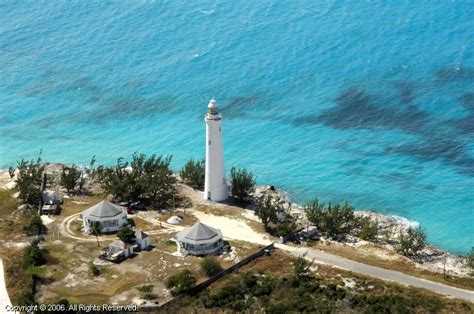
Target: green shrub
column 243, row 184
column 411, row 242
column 193, row 173
column 94, row 269
column 126, row 235
column 146, row 292
column 24, row 298
column 181, row 282
column 210, row 266
column 470, row 259
column 33, row 256
column 70, row 177
column 35, row 227
column 29, row 179
column 368, row 229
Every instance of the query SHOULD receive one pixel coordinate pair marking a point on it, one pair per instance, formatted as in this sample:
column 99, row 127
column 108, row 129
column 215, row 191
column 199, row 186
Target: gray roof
column 141, row 235
column 199, row 233
column 104, row 209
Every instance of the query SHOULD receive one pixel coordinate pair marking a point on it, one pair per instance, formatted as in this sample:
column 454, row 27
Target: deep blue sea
column 366, row 101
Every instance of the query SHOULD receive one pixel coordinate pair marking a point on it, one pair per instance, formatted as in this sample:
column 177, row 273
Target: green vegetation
column 96, row 229
column 35, row 227
column 70, row 177
column 181, row 282
column 210, row 266
column 302, row 268
column 243, row 184
column 193, row 173
column 146, row 180
column 411, row 242
column 333, row 221
column 24, row 298
column 33, row 256
column 29, row 178
column 267, row 210
column 470, row 259
column 368, row 229
column 94, row 270
column 146, row 291
column 126, row 235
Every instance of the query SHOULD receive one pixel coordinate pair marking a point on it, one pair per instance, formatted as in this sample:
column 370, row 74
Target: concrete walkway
column 4, row 298
column 377, row 272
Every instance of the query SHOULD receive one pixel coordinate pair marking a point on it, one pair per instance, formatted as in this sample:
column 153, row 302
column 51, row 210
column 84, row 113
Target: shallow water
column 370, row 102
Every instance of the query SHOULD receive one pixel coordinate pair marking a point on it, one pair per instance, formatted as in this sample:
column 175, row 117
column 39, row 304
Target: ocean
column 370, row 102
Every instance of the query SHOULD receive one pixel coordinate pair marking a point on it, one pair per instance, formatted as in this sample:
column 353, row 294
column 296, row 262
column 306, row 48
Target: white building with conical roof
column 200, row 239
column 215, row 184
column 111, row 217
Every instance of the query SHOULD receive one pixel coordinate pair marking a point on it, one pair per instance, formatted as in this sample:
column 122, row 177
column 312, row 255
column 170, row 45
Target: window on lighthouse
column 209, row 142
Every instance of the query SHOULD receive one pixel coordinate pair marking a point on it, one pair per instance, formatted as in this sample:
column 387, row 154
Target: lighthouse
column 215, row 185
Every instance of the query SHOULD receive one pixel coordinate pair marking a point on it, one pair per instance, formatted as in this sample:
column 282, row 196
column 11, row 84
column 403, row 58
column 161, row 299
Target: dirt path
column 238, row 229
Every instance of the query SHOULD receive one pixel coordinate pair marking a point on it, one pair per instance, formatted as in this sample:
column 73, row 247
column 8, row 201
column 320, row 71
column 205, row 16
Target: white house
column 117, row 251
column 200, row 239
column 142, row 239
column 215, row 183
column 111, row 217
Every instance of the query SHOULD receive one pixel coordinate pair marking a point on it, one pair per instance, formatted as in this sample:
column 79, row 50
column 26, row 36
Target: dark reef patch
column 467, row 100
column 448, row 151
column 464, row 125
column 238, row 107
column 356, row 109
column 406, row 91
column 455, row 73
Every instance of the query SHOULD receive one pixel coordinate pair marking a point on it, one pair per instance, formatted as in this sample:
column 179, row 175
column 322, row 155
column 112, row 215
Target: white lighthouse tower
column 215, row 186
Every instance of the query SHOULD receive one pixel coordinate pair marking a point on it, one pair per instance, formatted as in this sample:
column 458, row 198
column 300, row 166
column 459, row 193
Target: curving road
column 317, row 256
column 379, row 273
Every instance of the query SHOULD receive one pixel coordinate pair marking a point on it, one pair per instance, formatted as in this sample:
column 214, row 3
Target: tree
column 35, row 227
column 301, row 267
column 368, row 228
column 267, row 210
column 148, row 180
column 70, row 177
column 96, row 229
column 411, row 242
column 33, row 256
column 126, row 234
column 181, row 282
column 243, row 184
column 193, row 173
column 470, row 259
column 314, row 212
column 210, row 266
column 287, row 229
column 29, row 179
column 333, row 221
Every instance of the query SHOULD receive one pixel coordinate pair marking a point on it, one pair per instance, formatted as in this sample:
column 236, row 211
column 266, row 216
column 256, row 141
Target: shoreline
column 433, row 258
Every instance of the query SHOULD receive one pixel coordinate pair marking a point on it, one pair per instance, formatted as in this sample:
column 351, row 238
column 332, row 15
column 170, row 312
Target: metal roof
column 199, row 233
column 104, row 209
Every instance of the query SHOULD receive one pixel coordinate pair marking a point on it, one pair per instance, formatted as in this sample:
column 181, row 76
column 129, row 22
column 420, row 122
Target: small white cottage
column 111, row 217
column 142, row 239
column 200, row 239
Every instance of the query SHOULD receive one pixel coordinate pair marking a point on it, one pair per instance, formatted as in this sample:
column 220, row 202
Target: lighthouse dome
column 212, row 106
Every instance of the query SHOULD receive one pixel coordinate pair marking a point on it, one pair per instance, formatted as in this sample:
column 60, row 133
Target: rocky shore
column 390, row 227
column 430, row 258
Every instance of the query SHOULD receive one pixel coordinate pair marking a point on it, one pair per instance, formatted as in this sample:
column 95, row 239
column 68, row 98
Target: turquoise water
column 370, row 102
